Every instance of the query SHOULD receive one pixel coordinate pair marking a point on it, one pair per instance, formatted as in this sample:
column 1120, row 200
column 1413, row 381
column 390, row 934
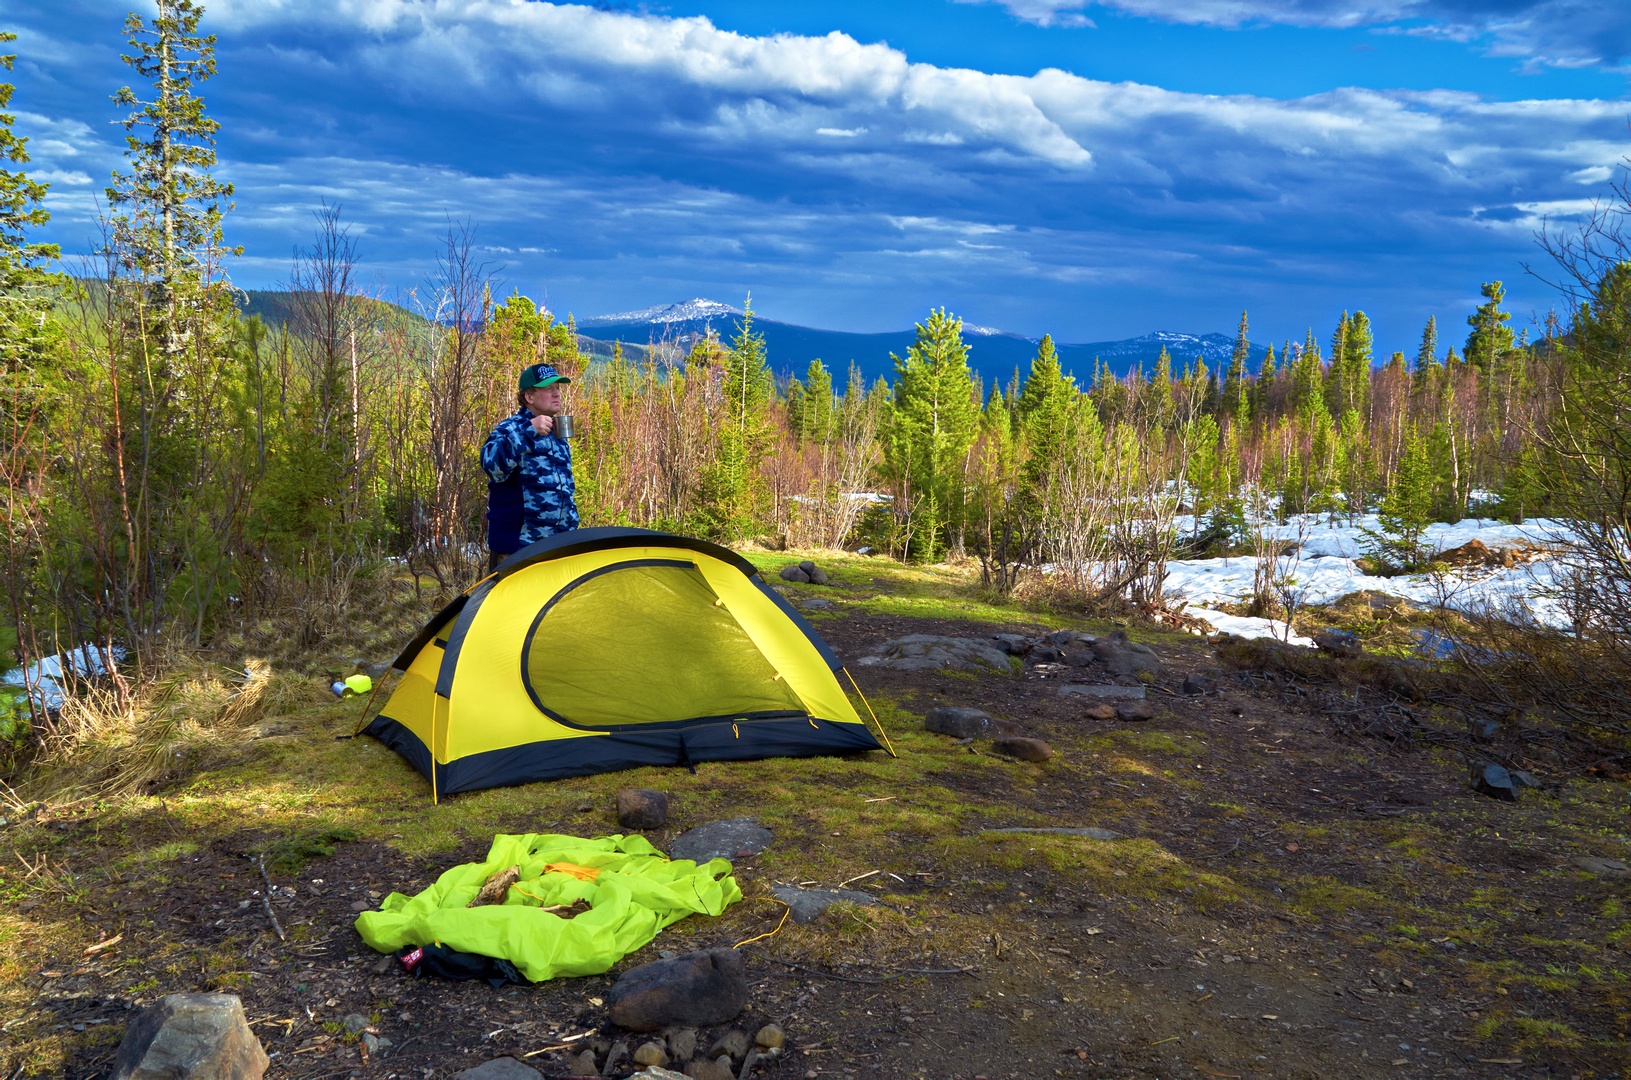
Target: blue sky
column 1095, row 171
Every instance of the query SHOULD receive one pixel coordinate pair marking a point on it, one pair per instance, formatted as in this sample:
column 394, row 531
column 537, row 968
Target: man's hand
column 543, row 425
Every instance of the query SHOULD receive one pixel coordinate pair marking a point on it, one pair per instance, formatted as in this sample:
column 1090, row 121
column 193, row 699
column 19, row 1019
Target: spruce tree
column 1407, row 508
column 820, row 409
column 1491, row 336
column 1159, row 409
column 1264, row 385
column 932, row 426
column 733, row 490
column 1427, row 353
column 1235, row 401
column 1044, row 414
column 166, row 226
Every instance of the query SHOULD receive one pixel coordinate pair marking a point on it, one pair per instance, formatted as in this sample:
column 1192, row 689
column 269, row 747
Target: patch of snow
column 1241, row 626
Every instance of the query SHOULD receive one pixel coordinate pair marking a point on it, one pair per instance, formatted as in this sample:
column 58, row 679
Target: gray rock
column 682, row 1043
column 656, row 1072
column 1088, row 831
column 1197, row 684
column 190, row 1037
column 641, row 808
column 752, row 1061
column 1486, row 730
column 376, row 1043
column 696, row 990
column 771, row 1037
column 733, row 1043
column 1101, row 711
column 807, row 566
column 1610, row 868
column 795, row 574
column 956, row 722
column 504, row 1068
column 818, row 603
column 615, row 1056
column 1129, row 712
column 1124, row 657
column 1046, row 654
column 1014, row 644
column 808, row 904
column 1102, row 692
column 1493, row 780
column 1339, row 643
column 818, row 576
column 1060, row 638
column 1023, row 748
column 1525, row 779
column 583, row 1065
column 1080, row 658
column 356, row 1023
column 733, row 838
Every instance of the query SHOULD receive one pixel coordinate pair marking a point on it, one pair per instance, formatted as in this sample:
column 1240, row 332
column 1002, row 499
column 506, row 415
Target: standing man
column 529, row 470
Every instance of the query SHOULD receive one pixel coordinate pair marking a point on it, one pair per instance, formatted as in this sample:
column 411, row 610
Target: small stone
column 656, row 1072
column 1023, row 748
column 356, row 1023
column 818, row 603
column 703, row 1069
column 1493, row 780
column 641, row 808
column 1525, row 779
column 650, row 1054
column 751, row 1062
column 770, row 1036
column 583, row 1065
column 1133, row 711
column 1100, row 712
column 375, row 1043
column 504, row 1068
column 190, row 1035
column 1046, row 654
column 733, row 1043
column 1124, row 657
column 614, row 1057
column 1197, row 684
column 795, row 574
column 682, row 1043
column 818, row 576
column 956, row 722
column 807, row 566
column 1609, row 868
column 694, row 990
column 1060, row 638
column 384, row 965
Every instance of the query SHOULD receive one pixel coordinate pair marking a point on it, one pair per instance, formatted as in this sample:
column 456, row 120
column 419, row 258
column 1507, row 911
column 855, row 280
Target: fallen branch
column 266, row 897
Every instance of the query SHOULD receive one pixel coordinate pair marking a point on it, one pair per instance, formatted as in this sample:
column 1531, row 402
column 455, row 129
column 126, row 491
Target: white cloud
column 1556, row 33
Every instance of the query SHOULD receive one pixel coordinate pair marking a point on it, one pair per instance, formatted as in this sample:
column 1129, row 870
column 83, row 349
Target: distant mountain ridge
column 994, row 354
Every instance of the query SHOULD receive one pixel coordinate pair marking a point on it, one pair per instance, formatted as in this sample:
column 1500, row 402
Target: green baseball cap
column 534, row 376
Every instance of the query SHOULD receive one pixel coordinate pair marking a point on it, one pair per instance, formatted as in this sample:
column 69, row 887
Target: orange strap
column 582, row 873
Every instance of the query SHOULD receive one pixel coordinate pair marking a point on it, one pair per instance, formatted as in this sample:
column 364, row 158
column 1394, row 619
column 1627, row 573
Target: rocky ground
column 1229, row 880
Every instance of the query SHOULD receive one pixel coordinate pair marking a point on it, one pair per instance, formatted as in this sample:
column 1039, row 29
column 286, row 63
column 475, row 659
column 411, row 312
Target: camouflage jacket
column 530, row 494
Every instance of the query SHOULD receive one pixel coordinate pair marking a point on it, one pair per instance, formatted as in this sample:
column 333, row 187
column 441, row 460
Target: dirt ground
column 1289, row 902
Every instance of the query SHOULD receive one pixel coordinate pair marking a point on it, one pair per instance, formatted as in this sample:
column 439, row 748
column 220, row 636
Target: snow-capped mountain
column 697, row 310
column 993, row 353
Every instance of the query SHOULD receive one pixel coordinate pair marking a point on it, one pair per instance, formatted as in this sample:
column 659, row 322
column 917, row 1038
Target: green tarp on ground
column 635, row 891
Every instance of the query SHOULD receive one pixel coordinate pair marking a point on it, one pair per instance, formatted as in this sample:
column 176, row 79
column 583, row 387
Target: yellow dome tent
column 611, row 648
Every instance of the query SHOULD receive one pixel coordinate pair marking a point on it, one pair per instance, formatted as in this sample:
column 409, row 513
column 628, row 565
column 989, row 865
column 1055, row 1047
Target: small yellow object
column 359, row 684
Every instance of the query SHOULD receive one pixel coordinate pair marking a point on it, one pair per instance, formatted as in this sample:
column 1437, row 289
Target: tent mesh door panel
column 646, row 643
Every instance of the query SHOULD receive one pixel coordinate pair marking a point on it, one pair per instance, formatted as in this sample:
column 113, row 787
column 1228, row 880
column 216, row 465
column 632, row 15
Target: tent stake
column 872, row 714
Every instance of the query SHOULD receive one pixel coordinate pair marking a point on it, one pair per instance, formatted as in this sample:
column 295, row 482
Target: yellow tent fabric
column 603, row 649
column 633, row 893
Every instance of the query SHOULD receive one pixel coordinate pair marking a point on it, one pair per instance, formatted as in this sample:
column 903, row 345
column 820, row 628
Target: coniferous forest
column 175, row 471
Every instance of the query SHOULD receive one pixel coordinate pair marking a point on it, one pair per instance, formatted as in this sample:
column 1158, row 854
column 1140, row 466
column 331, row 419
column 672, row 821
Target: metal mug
column 563, row 427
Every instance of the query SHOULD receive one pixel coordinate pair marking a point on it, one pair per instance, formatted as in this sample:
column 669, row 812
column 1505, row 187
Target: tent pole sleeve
column 872, row 714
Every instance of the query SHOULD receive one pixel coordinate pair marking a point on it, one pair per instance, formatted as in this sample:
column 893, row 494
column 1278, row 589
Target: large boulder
column 190, row 1037
column 696, row 990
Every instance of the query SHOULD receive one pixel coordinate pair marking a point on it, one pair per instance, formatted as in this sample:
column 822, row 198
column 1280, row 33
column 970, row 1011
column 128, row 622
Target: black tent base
column 685, row 745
